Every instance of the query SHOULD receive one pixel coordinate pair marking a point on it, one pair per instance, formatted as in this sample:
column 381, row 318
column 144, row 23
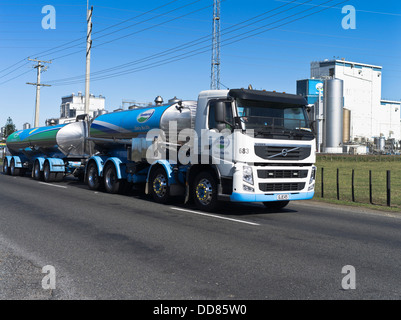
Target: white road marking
column 53, row 185
column 215, row 216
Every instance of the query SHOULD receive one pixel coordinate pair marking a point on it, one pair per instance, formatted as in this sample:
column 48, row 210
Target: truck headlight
column 247, row 175
column 312, row 176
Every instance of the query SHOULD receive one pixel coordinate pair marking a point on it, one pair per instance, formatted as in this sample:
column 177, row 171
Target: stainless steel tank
column 66, row 140
column 333, row 115
column 130, row 124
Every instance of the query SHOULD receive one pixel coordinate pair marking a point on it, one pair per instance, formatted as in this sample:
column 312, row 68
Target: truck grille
column 288, row 153
column 282, row 174
column 269, row 187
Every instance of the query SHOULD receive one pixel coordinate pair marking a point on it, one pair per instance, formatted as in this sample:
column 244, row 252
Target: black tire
column 6, row 168
column 13, row 170
column 58, row 176
column 111, row 182
column 205, row 192
column 36, row 173
column 159, row 188
column 94, row 181
column 276, row 205
column 48, row 176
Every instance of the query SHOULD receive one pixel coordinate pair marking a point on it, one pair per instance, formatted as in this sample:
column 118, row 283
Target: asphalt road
column 106, row 246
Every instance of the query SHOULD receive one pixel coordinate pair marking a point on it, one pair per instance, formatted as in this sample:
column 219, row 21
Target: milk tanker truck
column 236, row 145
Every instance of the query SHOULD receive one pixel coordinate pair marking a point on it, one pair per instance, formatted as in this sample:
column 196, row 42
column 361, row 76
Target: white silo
column 333, row 115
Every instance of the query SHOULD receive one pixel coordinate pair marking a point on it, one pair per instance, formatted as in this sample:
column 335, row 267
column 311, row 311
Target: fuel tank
column 65, row 140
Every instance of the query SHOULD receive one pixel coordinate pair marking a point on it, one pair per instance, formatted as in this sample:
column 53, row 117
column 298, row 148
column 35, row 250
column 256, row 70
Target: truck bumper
column 249, row 197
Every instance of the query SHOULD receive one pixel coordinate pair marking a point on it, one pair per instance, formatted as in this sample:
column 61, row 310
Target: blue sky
column 271, row 60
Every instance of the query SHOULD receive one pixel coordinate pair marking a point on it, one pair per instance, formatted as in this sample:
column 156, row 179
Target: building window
column 331, row 72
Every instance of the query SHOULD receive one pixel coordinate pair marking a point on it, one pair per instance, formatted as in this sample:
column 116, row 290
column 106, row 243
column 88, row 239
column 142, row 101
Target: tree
column 9, row 128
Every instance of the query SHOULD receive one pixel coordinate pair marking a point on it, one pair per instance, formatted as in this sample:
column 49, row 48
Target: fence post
column 370, row 187
column 388, row 188
column 353, row 185
column 338, row 185
column 322, row 183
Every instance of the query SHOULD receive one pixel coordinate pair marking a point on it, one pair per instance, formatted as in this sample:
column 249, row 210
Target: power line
column 189, row 44
column 136, row 32
column 21, row 66
column 192, row 53
column 15, row 64
column 50, row 51
column 358, row 10
column 179, row 57
column 20, row 75
column 110, row 33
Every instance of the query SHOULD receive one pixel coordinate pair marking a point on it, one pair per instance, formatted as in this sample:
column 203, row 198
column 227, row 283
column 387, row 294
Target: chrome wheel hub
column 204, row 191
column 160, row 185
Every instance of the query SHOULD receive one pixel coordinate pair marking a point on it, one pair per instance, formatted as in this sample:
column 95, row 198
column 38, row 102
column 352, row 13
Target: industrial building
column 74, row 105
column 366, row 119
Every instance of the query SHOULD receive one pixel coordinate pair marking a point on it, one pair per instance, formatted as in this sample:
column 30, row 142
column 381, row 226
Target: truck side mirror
column 220, row 111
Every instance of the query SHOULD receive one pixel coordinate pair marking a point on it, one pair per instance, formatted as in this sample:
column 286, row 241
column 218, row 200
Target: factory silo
column 346, row 125
column 333, row 115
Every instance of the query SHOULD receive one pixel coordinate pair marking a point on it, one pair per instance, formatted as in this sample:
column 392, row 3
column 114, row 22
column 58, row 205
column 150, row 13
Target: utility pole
column 215, row 78
column 39, row 69
column 88, row 56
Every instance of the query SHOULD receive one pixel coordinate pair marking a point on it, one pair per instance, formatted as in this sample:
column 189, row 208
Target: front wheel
column 276, row 205
column 205, row 192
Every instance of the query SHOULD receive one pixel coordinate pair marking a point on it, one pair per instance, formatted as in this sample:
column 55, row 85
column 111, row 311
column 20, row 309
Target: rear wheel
column 111, row 182
column 205, row 192
column 159, row 188
column 276, row 205
column 58, row 176
column 36, row 173
column 48, row 176
column 93, row 179
column 13, row 170
column 6, row 168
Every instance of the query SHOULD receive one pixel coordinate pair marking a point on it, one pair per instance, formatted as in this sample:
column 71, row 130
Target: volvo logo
column 284, row 152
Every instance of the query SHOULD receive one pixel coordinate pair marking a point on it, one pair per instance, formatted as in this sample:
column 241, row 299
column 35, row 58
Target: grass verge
column 361, row 165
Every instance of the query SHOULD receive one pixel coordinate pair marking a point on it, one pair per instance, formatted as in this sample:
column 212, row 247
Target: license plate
column 283, row 197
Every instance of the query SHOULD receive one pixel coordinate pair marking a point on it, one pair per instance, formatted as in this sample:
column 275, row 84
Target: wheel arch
column 156, row 165
column 116, row 162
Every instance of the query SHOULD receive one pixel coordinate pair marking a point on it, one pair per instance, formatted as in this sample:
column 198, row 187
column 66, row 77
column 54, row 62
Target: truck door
column 220, row 125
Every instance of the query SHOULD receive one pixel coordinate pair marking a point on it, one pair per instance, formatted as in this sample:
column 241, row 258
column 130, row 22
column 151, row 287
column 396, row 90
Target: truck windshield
column 273, row 117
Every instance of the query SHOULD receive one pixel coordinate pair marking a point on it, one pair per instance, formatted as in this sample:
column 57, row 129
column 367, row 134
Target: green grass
column 361, row 166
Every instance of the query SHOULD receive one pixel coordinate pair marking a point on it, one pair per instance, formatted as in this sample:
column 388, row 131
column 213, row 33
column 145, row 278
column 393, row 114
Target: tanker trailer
column 49, row 152
column 120, row 143
column 270, row 149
